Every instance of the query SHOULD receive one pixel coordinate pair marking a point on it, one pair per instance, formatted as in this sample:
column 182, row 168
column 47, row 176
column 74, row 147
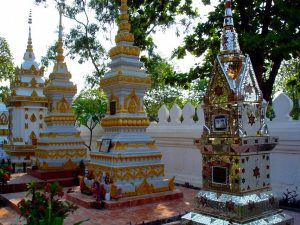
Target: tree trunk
column 267, row 86
column 90, row 142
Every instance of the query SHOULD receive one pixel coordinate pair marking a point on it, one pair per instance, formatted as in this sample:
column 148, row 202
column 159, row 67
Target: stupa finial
column 229, row 38
column 124, row 25
column 59, row 50
column 124, row 34
column 29, row 42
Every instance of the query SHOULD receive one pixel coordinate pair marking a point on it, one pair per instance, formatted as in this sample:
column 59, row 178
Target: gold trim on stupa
column 125, row 152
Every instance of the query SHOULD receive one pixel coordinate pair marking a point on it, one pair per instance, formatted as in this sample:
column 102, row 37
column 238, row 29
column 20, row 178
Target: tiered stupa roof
column 60, row 146
column 29, row 83
column 27, row 106
column 126, row 153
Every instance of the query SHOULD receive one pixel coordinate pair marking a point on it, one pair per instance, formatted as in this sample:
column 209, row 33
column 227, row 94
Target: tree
column 146, row 17
column 94, row 19
column 6, row 61
column 6, row 67
column 268, row 31
column 4, row 93
column 89, row 107
column 161, row 93
column 289, row 82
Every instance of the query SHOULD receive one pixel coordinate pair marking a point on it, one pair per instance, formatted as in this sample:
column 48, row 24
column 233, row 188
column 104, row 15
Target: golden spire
column 124, row 25
column 29, row 42
column 124, row 39
column 59, row 50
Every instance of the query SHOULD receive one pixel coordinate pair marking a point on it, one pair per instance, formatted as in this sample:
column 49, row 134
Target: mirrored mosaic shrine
column 235, row 144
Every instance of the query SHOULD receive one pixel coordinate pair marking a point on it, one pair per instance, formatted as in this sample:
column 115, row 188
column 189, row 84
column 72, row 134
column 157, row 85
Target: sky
column 14, row 28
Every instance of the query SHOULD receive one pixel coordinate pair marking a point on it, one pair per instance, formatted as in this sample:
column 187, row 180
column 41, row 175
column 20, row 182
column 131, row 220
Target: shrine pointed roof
column 29, row 57
column 232, row 67
column 229, row 37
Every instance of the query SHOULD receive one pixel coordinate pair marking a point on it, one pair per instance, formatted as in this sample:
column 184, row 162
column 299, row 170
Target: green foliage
column 293, row 88
column 45, row 207
column 50, row 56
column 289, row 82
column 6, row 61
column 147, row 16
column 156, row 97
column 162, row 93
column 94, row 19
column 4, row 93
column 270, row 112
column 89, row 107
column 159, row 69
column 268, row 31
column 89, row 104
column 7, row 70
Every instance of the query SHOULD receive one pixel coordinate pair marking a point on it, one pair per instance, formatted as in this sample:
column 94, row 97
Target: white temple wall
column 17, row 119
column 181, row 157
column 184, row 161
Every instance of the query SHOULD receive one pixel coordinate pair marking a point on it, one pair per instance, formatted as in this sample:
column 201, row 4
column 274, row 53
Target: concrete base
column 66, row 178
column 90, row 202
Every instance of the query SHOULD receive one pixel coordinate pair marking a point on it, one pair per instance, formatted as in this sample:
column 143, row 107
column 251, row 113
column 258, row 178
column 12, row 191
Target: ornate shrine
column 235, row 144
column 27, row 108
column 126, row 153
column 60, row 146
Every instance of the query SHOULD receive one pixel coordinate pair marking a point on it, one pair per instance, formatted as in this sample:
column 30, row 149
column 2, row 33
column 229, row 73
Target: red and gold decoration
column 235, row 143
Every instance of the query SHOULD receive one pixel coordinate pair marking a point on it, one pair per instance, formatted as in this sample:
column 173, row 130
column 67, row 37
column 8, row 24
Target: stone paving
column 123, row 216
column 133, row 215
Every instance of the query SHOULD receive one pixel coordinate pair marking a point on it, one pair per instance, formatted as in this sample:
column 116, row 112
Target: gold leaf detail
column 144, row 188
column 32, row 118
column 34, row 94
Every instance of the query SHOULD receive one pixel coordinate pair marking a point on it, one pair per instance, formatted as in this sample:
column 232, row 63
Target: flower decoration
column 5, row 171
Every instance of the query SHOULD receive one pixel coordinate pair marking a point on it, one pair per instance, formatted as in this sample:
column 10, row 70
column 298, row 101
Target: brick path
column 135, row 215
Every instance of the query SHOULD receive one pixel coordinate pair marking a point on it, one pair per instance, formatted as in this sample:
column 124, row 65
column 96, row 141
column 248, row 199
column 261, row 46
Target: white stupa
column 60, row 146
column 127, row 154
column 27, row 108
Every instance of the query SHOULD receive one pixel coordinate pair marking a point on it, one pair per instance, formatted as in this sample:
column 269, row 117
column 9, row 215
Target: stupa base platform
column 277, row 217
column 18, row 183
column 66, row 178
column 88, row 201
